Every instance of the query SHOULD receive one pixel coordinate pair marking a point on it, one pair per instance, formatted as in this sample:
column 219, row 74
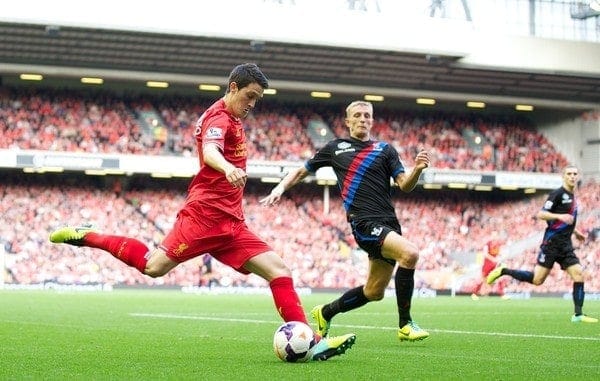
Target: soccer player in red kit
column 490, row 261
column 212, row 220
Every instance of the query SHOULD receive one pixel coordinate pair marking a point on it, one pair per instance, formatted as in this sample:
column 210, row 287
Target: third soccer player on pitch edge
column 560, row 213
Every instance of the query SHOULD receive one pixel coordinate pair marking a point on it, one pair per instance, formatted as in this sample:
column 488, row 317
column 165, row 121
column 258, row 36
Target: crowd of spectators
column 61, row 120
column 55, row 120
column 318, row 246
column 504, row 144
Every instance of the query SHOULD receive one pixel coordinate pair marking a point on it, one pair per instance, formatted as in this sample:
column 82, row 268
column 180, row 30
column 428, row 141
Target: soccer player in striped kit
column 560, row 213
column 363, row 168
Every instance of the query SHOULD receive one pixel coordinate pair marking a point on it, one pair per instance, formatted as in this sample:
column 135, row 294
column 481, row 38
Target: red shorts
column 228, row 241
column 488, row 266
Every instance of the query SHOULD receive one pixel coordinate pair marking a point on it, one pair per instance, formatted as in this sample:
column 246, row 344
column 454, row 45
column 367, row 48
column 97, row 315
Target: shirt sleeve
column 322, row 158
column 213, row 130
column 550, row 201
column 393, row 160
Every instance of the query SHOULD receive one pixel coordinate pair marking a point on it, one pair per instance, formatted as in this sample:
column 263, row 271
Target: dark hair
column 246, row 74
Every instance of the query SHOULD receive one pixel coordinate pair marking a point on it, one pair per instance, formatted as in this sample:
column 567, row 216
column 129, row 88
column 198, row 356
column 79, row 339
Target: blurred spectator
column 69, row 120
column 317, row 245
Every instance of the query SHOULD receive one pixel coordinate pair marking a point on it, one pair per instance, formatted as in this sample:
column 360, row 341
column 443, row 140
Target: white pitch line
column 506, row 334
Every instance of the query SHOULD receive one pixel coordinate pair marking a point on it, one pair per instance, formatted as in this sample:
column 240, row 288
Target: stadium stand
column 318, row 246
column 103, row 122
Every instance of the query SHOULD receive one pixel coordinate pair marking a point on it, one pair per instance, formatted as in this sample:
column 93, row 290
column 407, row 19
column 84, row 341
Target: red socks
column 286, row 300
column 132, row 252
column 129, row 250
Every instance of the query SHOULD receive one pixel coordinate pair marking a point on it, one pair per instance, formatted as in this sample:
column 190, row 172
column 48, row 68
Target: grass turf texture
column 169, row 335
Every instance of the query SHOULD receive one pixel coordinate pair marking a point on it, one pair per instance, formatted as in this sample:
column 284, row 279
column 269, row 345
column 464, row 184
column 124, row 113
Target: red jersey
column 493, row 248
column 209, row 193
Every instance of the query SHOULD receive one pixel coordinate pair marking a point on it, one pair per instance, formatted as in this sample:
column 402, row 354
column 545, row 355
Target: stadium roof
column 73, row 51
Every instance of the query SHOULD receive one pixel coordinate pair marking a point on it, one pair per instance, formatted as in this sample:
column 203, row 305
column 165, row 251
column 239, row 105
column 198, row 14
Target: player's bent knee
column 375, row 297
column 281, row 272
column 409, row 254
column 413, row 256
column 409, row 259
column 156, row 269
column 278, row 268
column 154, row 272
column 374, row 294
column 158, row 264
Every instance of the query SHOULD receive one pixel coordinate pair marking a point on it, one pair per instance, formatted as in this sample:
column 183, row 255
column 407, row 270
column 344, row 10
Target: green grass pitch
column 170, row 335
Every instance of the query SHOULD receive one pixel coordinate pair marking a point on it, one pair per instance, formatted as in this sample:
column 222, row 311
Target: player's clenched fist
column 237, row 177
column 422, row 159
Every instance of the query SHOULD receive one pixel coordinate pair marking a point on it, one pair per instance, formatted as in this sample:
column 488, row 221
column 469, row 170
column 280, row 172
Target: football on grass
column 293, row 341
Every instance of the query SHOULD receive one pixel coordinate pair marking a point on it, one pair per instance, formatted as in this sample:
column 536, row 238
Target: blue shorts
column 562, row 254
column 370, row 235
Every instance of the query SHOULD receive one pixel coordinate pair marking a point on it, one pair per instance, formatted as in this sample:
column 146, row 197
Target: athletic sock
column 286, row 300
column 578, row 296
column 500, row 287
column 522, row 275
column 350, row 300
column 128, row 250
column 405, row 283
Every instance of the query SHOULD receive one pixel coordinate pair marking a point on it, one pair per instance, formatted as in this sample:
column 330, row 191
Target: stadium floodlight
column 92, row 80
column 475, row 104
column 157, row 84
column 457, row 185
column 426, row 101
column 207, row 87
column 320, row 94
column 31, row 77
column 520, row 107
column 374, row 98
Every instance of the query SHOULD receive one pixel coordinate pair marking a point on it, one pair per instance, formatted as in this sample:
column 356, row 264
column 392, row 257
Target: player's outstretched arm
column 407, row 182
column 580, row 235
column 288, row 181
column 549, row 216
